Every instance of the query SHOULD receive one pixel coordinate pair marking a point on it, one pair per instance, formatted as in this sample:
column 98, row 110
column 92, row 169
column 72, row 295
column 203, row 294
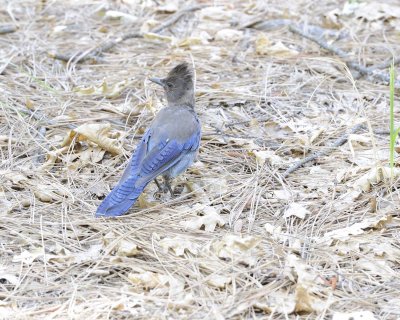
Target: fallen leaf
column 8, row 310
column 356, row 315
column 93, row 253
column 6, row 275
column 376, row 11
column 374, row 176
column 5, row 205
column 6, row 139
column 278, row 49
column 307, row 285
column 159, row 37
column 106, row 90
column 47, row 193
column 17, row 178
column 127, row 248
column 28, row 257
column 296, row 210
column 218, row 281
column 162, row 285
column 229, row 35
column 263, row 155
column 209, row 220
column 178, row 246
column 112, row 14
column 122, row 247
column 168, row 7
column 358, row 228
column 283, row 194
column 217, row 13
column 98, row 133
column 237, row 248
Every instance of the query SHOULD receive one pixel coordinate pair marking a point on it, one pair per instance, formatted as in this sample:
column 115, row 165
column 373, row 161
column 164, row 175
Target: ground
column 243, row 238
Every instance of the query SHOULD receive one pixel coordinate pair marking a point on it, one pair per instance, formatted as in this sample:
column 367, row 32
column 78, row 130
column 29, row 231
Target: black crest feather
column 182, row 71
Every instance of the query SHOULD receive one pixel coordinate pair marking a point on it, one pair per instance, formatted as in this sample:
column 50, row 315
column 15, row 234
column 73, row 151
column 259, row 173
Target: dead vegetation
column 248, row 237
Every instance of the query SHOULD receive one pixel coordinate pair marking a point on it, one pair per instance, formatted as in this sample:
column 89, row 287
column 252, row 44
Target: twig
column 8, row 28
column 40, row 156
column 369, row 71
column 94, row 53
column 337, row 143
column 387, row 64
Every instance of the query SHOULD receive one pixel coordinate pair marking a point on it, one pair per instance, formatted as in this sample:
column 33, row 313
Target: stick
column 337, row 143
column 369, row 71
column 8, row 28
column 94, row 53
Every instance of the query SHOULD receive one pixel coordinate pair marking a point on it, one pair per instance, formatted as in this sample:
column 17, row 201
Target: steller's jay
column 168, row 147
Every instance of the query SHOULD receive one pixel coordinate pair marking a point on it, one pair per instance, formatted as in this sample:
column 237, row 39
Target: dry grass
column 58, row 261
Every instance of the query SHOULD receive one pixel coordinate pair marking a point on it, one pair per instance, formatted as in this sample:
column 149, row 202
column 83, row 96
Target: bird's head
column 178, row 85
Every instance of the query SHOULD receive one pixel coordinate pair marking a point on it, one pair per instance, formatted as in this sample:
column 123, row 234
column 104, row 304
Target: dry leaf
column 218, row 281
column 201, row 195
column 376, row 11
column 168, row 7
column 148, row 279
column 93, row 253
column 61, row 255
column 283, row 194
column 48, row 193
column 106, row 90
column 262, row 44
column 296, row 210
column 229, row 35
column 127, row 248
column 356, row 315
column 307, row 282
column 5, row 205
column 191, row 41
column 6, row 139
column 159, row 37
column 98, row 133
column 179, row 246
column 263, row 155
column 308, row 139
column 215, row 13
column 28, row 257
column 209, row 220
column 374, row 176
column 215, row 186
column 8, row 310
column 11, row 278
column 237, row 248
column 17, row 178
column 278, row 49
column 376, row 267
column 161, row 285
column 355, row 229
column 123, row 247
column 111, row 14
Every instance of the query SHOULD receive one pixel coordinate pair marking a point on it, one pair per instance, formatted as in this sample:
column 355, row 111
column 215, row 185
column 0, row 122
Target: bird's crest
column 182, row 71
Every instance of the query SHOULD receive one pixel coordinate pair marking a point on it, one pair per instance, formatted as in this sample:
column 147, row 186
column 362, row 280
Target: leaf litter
column 309, row 245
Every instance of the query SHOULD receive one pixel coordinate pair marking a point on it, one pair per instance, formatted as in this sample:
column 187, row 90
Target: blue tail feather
column 120, row 199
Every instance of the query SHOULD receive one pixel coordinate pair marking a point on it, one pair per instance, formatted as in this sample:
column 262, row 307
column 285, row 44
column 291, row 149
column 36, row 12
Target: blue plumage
column 168, row 148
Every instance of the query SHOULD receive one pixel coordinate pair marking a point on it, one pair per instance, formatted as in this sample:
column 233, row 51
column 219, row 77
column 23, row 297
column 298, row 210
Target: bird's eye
column 170, row 85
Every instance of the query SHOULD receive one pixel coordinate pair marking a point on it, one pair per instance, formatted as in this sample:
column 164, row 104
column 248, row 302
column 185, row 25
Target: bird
column 168, row 147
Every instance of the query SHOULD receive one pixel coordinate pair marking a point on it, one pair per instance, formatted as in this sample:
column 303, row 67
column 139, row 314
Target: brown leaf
column 97, row 133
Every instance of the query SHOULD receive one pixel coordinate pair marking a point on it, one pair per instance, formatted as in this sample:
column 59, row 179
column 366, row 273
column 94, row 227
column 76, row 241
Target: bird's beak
column 158, row 81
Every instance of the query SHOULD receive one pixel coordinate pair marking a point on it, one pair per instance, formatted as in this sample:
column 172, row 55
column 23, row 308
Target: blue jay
column 168, row 147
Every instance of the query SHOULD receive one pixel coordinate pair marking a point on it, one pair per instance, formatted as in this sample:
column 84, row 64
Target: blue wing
column 142, row 169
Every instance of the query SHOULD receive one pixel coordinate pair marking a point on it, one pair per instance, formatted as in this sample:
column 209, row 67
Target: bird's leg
column 167, row 184
column 161, row 189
